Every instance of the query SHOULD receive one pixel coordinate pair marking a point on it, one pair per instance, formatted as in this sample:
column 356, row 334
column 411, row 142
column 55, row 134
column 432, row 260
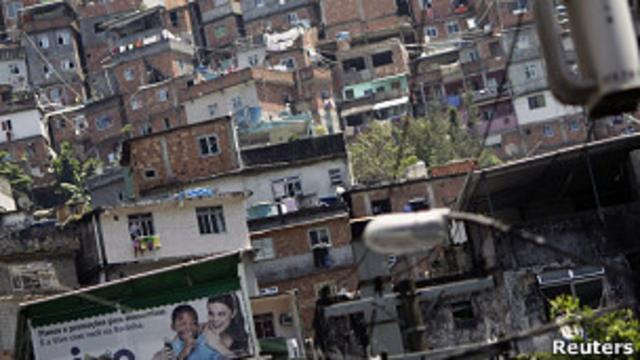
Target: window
column 354, row 64
column 264, row 248
column 220, row 31
column 55, row 95
column 381, row 206
column 14, row 69
column 453, row 27
column 574, row 126
column 128, row 74
column 12, row 10
column 162, row 94
column 473, row 55
column 80, row 123
column 141, row 225
column 426, row 4
column 211, row 220
column 68, row 65
column 173, row 17
column 135, row 103
column 253, row 60
column 383, row 58
column 167, row 123
column 259, row 3
column 495, row 49
column 46, row 71
column 463, row 315
column 146, row 128
column 43, row 41
column 33, row 276
column 149, row 174
column 431, row 31
column 548, row 130
column 103, row 122
column 349, row 94
column 289, row 63
column 524, row 42
column 519, row 6
column 286, row 188
column 208, row 145
column 531, row 71
column 487, row 115
column 63, row 38
column 213, row 108
column 319, row 237
column 536, row 102
column 236, row 103
column 6, row 125
column 264, row 326
column 335, row 177
column 584, row 283
column 396, row 85
column 97, row 28
column 293, row 18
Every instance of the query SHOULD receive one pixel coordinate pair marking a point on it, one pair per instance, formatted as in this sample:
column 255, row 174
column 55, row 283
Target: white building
column 136, row 236
column 7, row 203
column 25, row 122
column 540, row 107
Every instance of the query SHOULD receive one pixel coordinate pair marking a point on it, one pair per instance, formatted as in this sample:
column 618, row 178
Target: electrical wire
column 53, row 68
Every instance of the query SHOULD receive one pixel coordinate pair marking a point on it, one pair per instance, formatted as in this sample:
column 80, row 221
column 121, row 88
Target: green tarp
column 177, row 284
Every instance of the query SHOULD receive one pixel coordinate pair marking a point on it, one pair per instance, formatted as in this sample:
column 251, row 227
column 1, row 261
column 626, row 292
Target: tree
column 384, row 152
column 20, row 181
column 377, row 155
column 619, row 326
column 72, row 175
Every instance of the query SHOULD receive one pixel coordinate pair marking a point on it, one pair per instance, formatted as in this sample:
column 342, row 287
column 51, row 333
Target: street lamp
column 397, row 234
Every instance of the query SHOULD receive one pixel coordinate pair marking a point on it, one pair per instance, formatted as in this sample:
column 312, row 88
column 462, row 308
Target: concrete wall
column 197, row 110
column 314, row 178
column 519, row 81
column 553, row 109
column 26, row 123
column 177, row 226
column 7, row 203
column 18, row 81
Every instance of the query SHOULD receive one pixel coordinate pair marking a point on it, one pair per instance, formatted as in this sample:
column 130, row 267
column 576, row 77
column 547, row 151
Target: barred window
column 211, row 220
column 141, row 225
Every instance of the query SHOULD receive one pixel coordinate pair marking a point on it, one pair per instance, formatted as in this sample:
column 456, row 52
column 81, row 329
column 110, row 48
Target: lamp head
column 407, row 232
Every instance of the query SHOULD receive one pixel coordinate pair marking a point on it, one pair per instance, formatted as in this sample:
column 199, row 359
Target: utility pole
column 414, row 332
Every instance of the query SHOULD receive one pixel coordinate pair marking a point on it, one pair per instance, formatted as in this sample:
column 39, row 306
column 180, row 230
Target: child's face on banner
column 186, row 325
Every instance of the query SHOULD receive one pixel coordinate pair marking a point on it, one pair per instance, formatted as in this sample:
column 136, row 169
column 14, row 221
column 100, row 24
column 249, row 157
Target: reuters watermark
column 562, row 347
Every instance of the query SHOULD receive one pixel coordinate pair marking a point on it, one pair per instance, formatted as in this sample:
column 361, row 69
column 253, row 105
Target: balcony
column 490, row 94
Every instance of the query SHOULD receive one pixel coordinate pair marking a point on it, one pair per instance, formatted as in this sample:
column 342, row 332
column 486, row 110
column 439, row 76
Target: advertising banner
column 209, row 328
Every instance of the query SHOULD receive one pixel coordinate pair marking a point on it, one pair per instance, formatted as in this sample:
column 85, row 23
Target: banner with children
column 205, row 329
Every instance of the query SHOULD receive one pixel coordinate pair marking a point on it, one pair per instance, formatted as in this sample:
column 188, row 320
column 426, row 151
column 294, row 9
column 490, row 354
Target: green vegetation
column 385, row 150
column 72, row 175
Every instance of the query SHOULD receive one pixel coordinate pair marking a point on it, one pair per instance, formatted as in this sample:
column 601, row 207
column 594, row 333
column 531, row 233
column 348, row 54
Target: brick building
column 216, row 26
column 304, row 251
column 181, row 155
column 372, row 82
column 24, row 134
column 366, row 18
column 94, row 128
column 274, row 15
column 440, row 189
column 54, row 51
column 96, row 50
column 255, row 95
